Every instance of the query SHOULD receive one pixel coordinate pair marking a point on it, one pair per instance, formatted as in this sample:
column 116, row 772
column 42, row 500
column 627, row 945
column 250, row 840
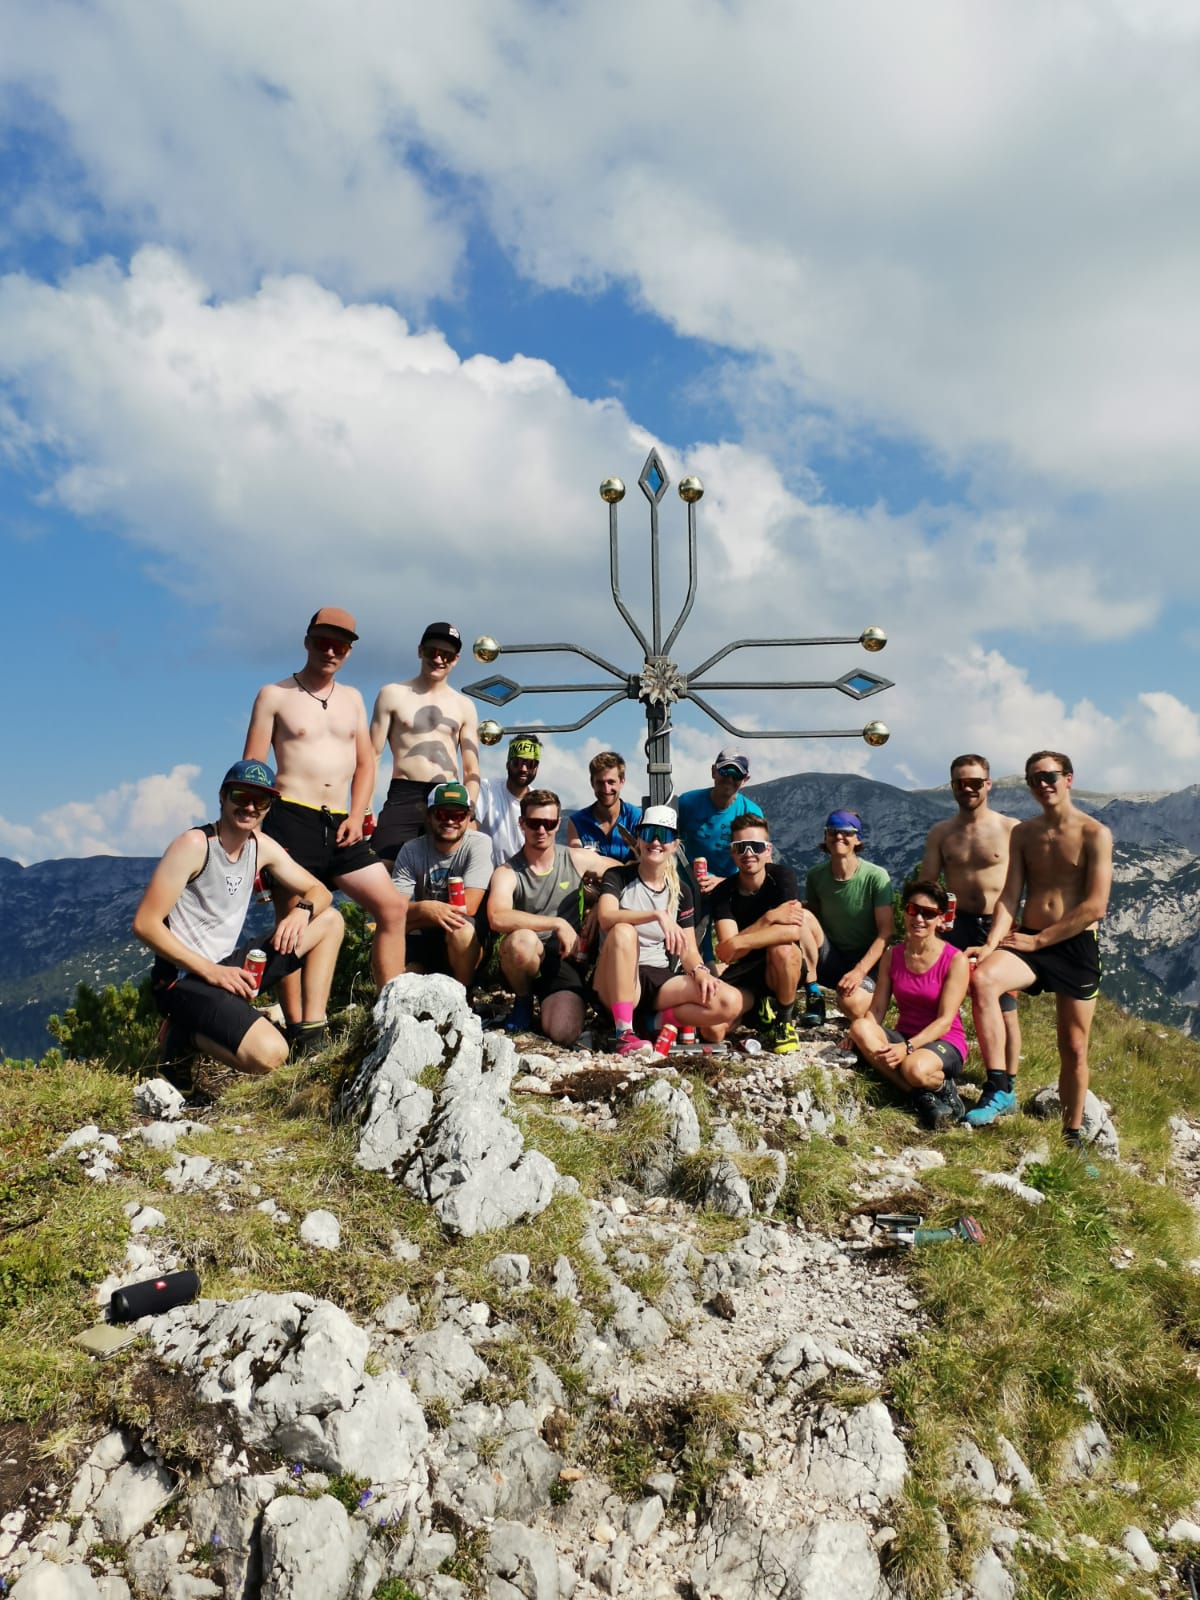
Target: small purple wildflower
column 364, row 1497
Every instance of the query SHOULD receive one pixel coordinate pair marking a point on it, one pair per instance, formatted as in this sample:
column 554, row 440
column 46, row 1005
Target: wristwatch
column 306, row 905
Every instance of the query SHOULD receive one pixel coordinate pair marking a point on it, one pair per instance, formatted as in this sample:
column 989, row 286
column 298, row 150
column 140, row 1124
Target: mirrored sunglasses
column 968, row 783
column 925, row 913
column 1049, row 777
column 546, row 824
column 326, row 641
column 437, row 652
column 254, row 798
column 655, row 833
column 748, row 847
column 449, row 813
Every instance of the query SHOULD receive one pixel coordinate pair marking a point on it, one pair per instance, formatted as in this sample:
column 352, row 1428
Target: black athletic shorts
column 401, row 819
column 970, row 931
column 833, row 965
column 197, row 1007
column 948, row 1054
column 309, row 835
column 559, row 974
column 426, row 947
column 1071, row 967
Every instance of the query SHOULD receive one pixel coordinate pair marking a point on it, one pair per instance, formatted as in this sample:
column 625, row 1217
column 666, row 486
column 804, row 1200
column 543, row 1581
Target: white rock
column 158, row 1098
column 990, row 1580
column 310, row 1549
column 322, row 1230
column 49, row 1581
column 130, row 1498
column 1184, row 1532
column 1140, row 1548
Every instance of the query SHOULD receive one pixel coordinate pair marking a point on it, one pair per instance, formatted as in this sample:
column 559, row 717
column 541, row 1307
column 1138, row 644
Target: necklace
column 324, row 704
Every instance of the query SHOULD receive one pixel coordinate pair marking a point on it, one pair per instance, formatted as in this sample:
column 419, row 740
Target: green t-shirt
column 846, row 911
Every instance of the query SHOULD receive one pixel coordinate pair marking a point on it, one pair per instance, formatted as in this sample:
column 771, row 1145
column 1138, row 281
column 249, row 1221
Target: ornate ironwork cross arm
column 660, row 684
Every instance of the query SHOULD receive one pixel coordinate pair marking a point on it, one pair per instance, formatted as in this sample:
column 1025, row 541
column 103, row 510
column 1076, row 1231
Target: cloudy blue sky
column 305, row 304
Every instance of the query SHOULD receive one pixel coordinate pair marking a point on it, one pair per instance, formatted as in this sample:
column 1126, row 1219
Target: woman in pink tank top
column 928, row 980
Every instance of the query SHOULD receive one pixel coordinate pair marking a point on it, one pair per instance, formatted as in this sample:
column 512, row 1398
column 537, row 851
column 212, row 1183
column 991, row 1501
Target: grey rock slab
column 972, row 1472
column 193, row 1172
column 152, row 1562
column 524, row 1559
column 1139, row 1547
column 634, row 1325
column 990, row 1579
column 322, row 1229
column 509, row 1270
column 825, row 1560
column 564, row 1280
column 49, row 1581
column 310, row 1549
column 852, row 1458
column 158, row 1098
column 142, row 1218
column 113, row 1588
column 226, row 1516
column 398, row 1314
column 1013, row 1184
column 726, row 1191
column 1097, row 1128
column 1013, row 1469
column 643, row 1519
column 130, row 1498
column 443, row 1362
column 382, row 1436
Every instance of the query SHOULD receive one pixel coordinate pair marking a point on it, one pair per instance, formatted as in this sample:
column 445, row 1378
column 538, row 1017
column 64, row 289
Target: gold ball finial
column 612, row 490
column 872, row 639
column 486, row 648
column 691, row 490
column 490, row 732
column 876, row 733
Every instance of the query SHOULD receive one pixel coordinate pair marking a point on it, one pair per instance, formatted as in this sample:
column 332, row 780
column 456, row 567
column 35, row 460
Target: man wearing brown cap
column 430, row 728
column 317, row 728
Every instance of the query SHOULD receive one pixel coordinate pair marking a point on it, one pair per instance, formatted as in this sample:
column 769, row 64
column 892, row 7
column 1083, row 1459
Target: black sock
column 1073, row 1136
column 1001, row 1080
column 784, row 1014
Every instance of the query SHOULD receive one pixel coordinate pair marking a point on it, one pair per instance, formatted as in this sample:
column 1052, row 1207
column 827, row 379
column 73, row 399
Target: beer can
column 254, row 966
column 947, row 918
column 457, row 892
column 700, row 866
column 368, row 824
column 687, row 1037
column 665, row 1042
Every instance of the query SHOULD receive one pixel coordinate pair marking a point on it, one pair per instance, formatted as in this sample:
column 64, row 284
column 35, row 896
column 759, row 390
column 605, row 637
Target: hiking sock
column 622, row 1014
column 1073, row 1137
column 665, row 1016
column 999, row 1080
column 786, row 1013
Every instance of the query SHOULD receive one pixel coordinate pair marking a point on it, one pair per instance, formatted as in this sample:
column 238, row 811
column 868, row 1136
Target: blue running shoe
column 994, row 1102
column 520, row 1018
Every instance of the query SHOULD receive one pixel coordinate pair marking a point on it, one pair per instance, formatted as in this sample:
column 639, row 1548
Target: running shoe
column 814, row 1010
column 994, row 1102
column 630, row 1044
column 938, row 1108
column 520, row 1018
column 786, row 1040
column 765, row 1016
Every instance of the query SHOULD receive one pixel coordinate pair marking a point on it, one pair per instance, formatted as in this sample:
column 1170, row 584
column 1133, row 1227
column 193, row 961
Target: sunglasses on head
column 926, row 913
column 1049, row 777
column 250, row 797
column 326, row 641
column 449, row 814
column 967, row 783
column 655, row 833
column 748, row 847
column 547, row 823
column 438, row 652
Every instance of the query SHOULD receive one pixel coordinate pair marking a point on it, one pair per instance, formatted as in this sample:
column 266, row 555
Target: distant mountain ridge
column 67, row 922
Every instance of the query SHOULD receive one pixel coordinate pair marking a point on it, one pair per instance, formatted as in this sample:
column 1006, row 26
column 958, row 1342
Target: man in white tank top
column 191, row 916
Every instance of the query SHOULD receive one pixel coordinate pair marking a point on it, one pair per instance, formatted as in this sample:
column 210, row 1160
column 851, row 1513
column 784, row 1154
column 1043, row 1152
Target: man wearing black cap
column 430, row 728
column 317, row 728
column 191, row 916
column 705, row 816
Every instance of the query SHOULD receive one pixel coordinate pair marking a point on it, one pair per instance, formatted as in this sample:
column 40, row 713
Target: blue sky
column 303, row 307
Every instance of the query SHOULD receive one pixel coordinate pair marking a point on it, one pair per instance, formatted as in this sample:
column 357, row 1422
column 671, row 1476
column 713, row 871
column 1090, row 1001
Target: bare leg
column 616, row 979
column 319, row 948
column 562, row 1016
column 262, row 1049
column 855, row 1004
column 712, row 1018
column 1074, row 1030
column 920, row 1070
column 464, row 952
column 373, row 889
column 290, row 990
column 521, row 959
column 1002, row 970
column 783, row 972
column 1012, row 1040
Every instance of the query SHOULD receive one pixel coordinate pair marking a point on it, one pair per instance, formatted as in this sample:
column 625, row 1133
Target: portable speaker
column 154, row 1295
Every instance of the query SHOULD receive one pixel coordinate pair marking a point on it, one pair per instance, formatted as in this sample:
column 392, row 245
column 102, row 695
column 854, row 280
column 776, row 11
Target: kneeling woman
column 928, row 980
column 647, row 921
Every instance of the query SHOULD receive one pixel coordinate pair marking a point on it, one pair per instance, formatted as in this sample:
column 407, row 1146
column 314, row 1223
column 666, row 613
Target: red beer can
column 947, row 918
column 254, row 966
column 665, row 1042
column 700, row 866
column 457, row 892
column 368, row 824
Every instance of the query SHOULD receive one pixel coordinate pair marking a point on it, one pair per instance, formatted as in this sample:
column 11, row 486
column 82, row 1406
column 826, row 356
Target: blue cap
column 251, row 775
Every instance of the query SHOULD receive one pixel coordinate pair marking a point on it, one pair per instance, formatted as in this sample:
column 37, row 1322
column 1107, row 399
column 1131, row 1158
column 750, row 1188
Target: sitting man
column 444, row 937
column 536, row 906
column 604, row 824
column 853, row 899
column 191, row 916
column 498, row 814
column 770, row 942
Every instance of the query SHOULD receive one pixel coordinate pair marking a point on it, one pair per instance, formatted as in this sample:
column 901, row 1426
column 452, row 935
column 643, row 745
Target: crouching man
column 444, row 936
column 191, row 917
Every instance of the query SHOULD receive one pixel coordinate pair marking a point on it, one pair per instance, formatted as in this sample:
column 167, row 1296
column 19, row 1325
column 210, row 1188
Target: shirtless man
column 318, row 730
column 970, row 852
column 429, row 726
column 1061, row 864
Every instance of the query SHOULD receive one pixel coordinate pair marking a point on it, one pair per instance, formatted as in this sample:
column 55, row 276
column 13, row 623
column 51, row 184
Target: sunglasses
column 732, row 772
column 324, row 641
column 253, row 798
column 445, row 814
column 748, row 847
column 542, row 824
column 840, row 833
column 968, row 783
column 432, row 652
column 655, row 833
column 1049, row 777
column 924, row 913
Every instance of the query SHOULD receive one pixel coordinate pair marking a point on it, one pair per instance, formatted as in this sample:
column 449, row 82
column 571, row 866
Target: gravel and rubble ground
column 754, row 1368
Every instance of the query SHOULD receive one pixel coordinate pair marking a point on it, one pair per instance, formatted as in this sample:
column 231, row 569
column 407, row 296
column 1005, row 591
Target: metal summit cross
column 660, row 685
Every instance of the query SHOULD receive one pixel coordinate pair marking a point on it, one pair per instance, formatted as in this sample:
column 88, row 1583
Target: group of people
column 673, row 915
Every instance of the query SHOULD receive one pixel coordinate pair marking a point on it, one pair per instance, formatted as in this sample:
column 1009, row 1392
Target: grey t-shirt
column 423, row 873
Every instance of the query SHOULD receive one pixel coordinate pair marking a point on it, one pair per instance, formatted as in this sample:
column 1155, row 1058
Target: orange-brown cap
column 333, row 617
